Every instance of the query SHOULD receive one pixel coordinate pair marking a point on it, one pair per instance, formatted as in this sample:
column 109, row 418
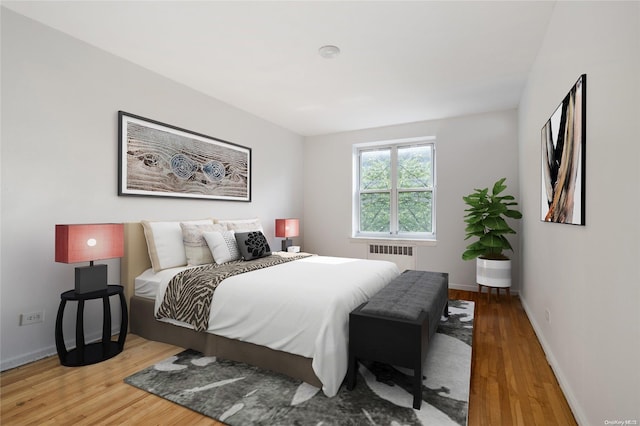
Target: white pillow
column 195, row 247
column 164, row 242
column 223, row 246
column 241, row 225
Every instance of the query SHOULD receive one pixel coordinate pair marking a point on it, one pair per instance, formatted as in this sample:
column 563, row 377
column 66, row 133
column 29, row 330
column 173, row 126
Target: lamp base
column 91, row 278
column 286, row 243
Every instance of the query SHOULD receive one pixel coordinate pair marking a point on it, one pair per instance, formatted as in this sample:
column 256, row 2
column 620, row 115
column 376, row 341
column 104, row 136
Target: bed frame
column 143, row 323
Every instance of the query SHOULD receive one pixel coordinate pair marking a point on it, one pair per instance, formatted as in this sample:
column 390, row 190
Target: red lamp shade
column 286, row 228
column 84, row 243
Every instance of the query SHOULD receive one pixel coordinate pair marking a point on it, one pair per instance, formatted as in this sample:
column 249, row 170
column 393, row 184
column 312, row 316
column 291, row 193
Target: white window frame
column 394, row 233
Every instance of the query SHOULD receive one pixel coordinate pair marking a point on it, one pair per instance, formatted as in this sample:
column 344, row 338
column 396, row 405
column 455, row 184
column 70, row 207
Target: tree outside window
column 395, row 190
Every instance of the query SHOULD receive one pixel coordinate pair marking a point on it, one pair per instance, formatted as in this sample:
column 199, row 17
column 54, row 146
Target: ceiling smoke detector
column 329, row 51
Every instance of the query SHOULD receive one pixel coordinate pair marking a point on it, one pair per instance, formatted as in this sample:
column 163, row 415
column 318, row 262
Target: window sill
column 372, row 240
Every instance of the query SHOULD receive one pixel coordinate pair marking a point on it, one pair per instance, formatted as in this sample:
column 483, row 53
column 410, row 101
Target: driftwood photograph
column 563, row 159
column 157, row 159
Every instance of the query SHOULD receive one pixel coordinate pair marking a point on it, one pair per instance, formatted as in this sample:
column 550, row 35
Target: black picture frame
column 563, row 146
column 160, row 160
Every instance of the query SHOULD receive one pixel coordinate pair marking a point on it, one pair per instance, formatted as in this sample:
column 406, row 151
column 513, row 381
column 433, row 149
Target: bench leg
column 352, row 372
column 417, row 387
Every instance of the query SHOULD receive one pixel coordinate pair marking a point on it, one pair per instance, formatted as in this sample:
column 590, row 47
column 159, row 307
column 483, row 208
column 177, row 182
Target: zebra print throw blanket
column 189, row 293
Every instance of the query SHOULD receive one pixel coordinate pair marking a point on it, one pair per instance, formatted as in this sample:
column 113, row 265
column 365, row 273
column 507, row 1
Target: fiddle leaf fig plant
column 486, row 222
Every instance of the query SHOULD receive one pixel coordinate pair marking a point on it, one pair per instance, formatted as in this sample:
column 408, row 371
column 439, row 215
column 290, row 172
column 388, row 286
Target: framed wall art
column 563, row 159
column 157, row 159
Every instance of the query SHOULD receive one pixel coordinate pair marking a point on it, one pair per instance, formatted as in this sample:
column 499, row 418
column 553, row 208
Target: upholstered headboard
column 136, row 257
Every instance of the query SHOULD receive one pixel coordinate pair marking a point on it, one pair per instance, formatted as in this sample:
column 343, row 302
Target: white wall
column 60, row 99
column 471, row 152
column 588, row 277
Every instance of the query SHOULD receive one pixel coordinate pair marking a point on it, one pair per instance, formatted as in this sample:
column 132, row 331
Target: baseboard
column 7, row 364
column 579, row 415
column 466, row 287
column 471, row 287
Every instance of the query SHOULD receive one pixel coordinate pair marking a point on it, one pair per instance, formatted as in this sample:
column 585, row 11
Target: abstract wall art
column 157, row 159
column 563, row 159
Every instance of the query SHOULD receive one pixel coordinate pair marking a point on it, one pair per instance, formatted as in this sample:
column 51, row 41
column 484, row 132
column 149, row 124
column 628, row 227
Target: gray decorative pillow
column 252, row 245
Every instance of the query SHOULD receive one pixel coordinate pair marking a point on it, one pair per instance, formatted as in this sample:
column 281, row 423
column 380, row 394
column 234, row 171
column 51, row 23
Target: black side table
column 98, row 351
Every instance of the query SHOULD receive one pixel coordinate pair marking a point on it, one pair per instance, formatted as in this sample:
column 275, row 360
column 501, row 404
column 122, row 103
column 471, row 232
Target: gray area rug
column 239, row 394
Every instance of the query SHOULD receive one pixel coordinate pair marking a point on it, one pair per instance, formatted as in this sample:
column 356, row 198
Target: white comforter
column 301, row 307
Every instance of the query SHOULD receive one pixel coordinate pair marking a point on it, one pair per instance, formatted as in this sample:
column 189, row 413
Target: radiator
column 403, row 256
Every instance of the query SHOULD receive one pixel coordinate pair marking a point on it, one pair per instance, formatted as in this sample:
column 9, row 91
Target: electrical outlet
column 547, row 315
column 32, row 318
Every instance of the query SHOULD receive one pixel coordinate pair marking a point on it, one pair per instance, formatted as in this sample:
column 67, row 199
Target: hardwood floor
column 511, row 382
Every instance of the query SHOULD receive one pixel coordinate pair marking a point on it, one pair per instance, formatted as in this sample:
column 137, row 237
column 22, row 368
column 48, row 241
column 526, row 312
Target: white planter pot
column 493, row 273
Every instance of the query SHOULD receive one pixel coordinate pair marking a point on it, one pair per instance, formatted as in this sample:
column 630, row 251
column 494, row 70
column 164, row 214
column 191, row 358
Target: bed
column 322, row 365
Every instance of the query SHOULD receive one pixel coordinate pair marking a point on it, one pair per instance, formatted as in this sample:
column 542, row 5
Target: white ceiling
column 401, row 61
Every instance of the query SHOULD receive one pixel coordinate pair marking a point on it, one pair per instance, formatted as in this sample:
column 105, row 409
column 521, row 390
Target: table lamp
column 287, row 228
column 86, row 243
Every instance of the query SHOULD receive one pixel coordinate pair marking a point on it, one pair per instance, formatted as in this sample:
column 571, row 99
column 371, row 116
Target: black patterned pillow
column 252, row 245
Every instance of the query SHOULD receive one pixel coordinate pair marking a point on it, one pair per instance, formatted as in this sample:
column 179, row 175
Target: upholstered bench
column 397, row 323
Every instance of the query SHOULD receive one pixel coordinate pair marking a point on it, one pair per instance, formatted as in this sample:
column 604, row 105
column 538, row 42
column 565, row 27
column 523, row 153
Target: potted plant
column 486, row 223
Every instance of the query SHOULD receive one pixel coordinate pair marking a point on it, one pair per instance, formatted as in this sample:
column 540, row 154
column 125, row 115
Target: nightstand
column 97, row 351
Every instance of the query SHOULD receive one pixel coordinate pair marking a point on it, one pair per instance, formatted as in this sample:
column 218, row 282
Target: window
column 394, row 190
